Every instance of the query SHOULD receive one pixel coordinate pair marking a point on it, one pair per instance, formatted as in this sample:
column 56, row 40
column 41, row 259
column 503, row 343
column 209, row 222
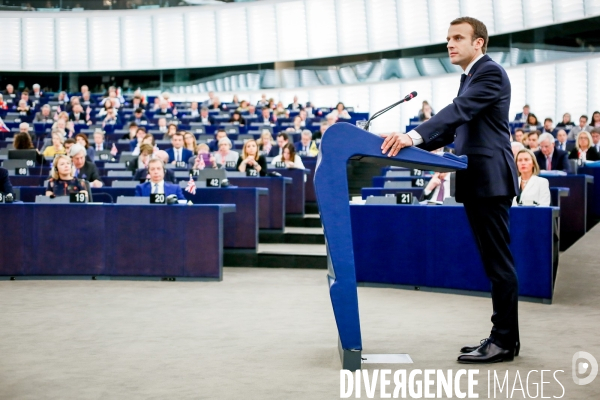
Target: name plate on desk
column 416, row 172
column 158, row 198
column 104, row 157
column 194, row 172
column 251, row 172
column 180, row 164
column 1, row 197
column 420, row 182
column 21, row 171
column 280, row 164
column 404, row 198
column 213, row 182
column 230, row 164
column 77, row 198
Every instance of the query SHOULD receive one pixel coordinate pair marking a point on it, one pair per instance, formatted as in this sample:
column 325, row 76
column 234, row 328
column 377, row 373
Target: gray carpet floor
column 267, row 334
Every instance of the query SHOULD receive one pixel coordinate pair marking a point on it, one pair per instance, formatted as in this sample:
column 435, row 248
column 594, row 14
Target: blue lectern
column 343, row 142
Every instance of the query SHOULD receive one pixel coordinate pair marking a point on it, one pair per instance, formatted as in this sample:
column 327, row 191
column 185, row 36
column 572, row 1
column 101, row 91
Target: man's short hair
column 24, row 125
column 138, row 110
column 46, row 106
column 220, row 130
column 265, row 108
column 537, row 133
column 526, row 106
column 548, row 119
column 584, row 116
column 76, row 149
column 546, row 136
column 133, row 124
column 71, row 141
column 479, row 30
column 155, row 161
column 204, row 109
column 99, row 130
column 283, row 135
column 595, row 130
column 306, row 132
column 520, row 129
column 178, row 133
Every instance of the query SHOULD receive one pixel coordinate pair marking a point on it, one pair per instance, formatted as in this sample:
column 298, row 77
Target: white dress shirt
column 414, row 135
column 158, row 187
column 177, row 154
column 436, row 191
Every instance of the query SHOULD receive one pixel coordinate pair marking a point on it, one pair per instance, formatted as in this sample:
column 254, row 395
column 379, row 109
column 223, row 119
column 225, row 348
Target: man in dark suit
column 265, row 117
column 522, row 116
column 78, row 115
column 138, row 117
column 157, row 184
column 477, row 122
column 562, row 143
column 205, row 117
column 83, row 168
column 282, row 140
column 548, row 157
column 306, row 147
column 5, row 185
column 178, row 153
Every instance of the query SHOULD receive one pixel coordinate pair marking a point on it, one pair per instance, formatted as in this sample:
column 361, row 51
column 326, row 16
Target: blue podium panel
column 451, row 260
column 295, row 193
column 310, row 163
column 271, row 207
column 594, row 203
column 345, row 142
column 16, row 244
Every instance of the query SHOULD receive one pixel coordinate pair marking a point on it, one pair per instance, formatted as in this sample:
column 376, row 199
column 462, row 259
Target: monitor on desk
column 23, row 155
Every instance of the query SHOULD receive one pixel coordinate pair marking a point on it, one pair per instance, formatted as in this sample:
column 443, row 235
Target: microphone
column 408, row 97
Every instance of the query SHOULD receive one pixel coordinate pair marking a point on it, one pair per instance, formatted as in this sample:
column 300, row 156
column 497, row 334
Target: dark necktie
column 463, row 77
column 440, row 196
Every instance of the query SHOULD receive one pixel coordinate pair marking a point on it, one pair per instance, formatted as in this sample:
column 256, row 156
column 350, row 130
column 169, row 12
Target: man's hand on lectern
column 395, row 142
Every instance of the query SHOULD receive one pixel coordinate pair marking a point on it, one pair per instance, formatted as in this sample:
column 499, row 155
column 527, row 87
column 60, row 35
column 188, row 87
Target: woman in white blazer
column 533, row 190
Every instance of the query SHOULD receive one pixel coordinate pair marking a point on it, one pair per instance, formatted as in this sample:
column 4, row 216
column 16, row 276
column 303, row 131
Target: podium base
column 350, row 359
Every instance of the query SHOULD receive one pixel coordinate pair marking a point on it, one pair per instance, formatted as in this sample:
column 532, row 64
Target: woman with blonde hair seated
column 252, row 160
column 584, row 150
column 62, row 181
column 533, row 189
column 57, row 145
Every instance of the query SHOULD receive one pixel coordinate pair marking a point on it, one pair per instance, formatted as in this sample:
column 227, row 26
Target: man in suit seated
column 5, row 185
column 265, row 117
column 138, row 117
column 282, row 140
column 178, row 153
column 548, row 157
column 44, row 115
column 440, row 187
column 142, row 175
column 583, row 126
column 84, row 169
column 157, row 183
column 295, row 106
column 596, row 139
column 306, row 147
column 214, row 145
column 562, row 143
column 164, row 109
column 78, row 116
column 548, row 128
column 522, row 116
column 532, row 141
column 205, row 118
column 87, row 100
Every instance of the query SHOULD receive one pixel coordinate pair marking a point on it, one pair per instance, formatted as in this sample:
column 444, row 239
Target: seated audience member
column 23, row 109
column 87, row 100
column 263, row 102
column 171, row 130
column 82, row 139
column 532, row 123
column 209, row 101
column 265, row 117
column 251, row 159
column 303, row 118
column 583, row 126
column 99, row 144
column 162, row 125
column 225, row 155
column 146, row 138
column 282, row 140
column 548, row 128
column 10, row 93
column 550, row 158
column 67, row 144
column 566, row 122
column 522, row 116
column 37, row 92
column 244, row 106
column 297, row 124
column 44, row 115
column 307, row 147
column 62, row 182
column 71, row 104
column 56, row 147
column 22, row 141
column 3, row 104
column 266, row 142
column 340, row 112
column 24, row 128
column 107, row 105
column 5, row 185
column 143, row 176
column 61, row 126
column 561, row 141
column 281, row 111
column 138, row 101
column 251, row 111
column 289, row 157
column 133, row 127
column 155, row 104
column 205, row 118
column 584, row 150
column 595, row 120
column 140, row 134
column 157, row 183
column 25, row 98
column 164, row 109
column 141, row 161
column 178, row 153
column 112, row 118
column 519, row 133
column 516, row 147
column 235, row 101
column 189, row 142
column 295, row 105
column 214, row 145
column 138, row 117
column 532, row 140
column 204, row 158
column 322, row 128
column 84, row 169
column 533, row 190
column 216, row 104
column 194, row 111
column 426, row 112
column 440, row 187
column 596, row 139
column 236, row 118
column 78, row 115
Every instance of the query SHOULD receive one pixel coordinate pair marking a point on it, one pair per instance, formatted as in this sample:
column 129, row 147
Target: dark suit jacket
column 142, row 175
column 185, row 155
column 477, row 122
column 82, row 116
column 569, row 145
column 145, row 189
column 5, row 185
column 591, row 154
column 560, row 160
column 274, row 151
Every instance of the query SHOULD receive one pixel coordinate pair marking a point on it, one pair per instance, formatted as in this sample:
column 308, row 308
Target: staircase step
column 307, row 221
column 279, row 255
column 311, row 208
column 298, row 235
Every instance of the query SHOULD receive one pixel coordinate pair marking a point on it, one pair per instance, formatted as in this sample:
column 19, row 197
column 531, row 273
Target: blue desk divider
column 341, row 143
